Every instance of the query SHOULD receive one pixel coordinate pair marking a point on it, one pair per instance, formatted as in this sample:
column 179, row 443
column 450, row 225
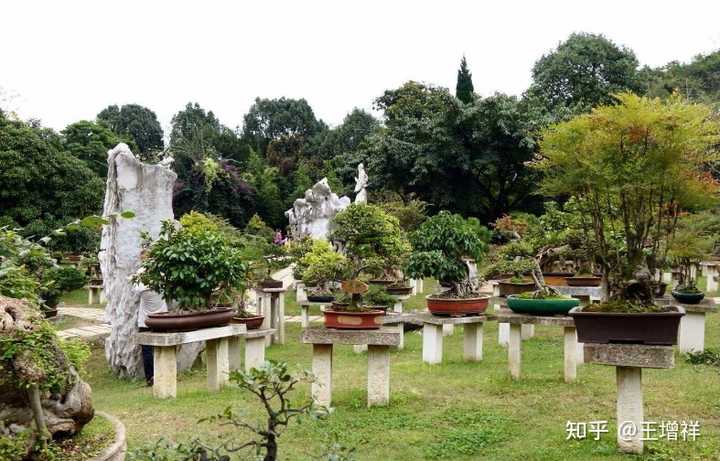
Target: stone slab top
column 272, row 290
column 322, row 335
column 393, row 318
column 400, row 297
column 315, row 303
column 592, row 292
column 503, row 315
column 704, row 306
column 427, row 317
column 148, row 338
column 710, row 263
column 93, row 286
column 259, row 333
column 630, row 355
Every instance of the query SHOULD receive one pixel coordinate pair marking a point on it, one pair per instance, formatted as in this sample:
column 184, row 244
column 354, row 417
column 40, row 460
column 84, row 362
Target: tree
column 464, row 89
column 633, row 168
column 273, row 119
column 90, row 142
column 583, row 72
column 42, row 187
column 136, row 122
column 698, row 80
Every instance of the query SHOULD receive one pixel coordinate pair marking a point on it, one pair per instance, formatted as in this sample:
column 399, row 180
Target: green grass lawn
column 78, row 298
column 457, row 410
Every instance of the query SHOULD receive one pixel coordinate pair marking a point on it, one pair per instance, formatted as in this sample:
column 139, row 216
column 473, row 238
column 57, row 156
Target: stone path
column 89, row 332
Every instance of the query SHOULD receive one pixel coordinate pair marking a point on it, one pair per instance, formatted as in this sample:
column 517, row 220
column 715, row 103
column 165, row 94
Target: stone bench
column 629, row 360
column 165, row 355
column 378, row 343
column 95, row 294
column 271, row 305
column 433, row 332
column 516, row 321
column 691, row 337
column 711, row 270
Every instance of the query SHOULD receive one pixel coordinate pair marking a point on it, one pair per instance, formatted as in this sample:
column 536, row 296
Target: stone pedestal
column 710, row 270
column 398, row 309
column 305, row 311
column 378, row 343
column 255, row 343
column 271, row 304
column 629, row 360
column 691, row 337
column 165, row 356
column 517, row 321
column 95, row 294
column 433, row 327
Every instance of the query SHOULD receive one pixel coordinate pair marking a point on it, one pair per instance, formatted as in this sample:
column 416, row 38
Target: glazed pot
column 583, row 281
column 271, row 283
column 398, row 291
column 541, row 306
column 364, row 320
column 688, row 298
column 651, row 328
column 251, row 323
column 508, row 288
column 174, row 321
column 659, row 289
column 556, row 279
column 457, row 307
column 320, row 298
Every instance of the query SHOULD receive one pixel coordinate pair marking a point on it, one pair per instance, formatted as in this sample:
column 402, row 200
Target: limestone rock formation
column 311, row 215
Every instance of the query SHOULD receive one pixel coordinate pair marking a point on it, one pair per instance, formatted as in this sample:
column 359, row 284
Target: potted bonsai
column 191, row 265
column 686, row 250
column 633, row 168
column 323, row 266
column 372, row 240
column 519, row 282
column 440, row 246
column 544, row 300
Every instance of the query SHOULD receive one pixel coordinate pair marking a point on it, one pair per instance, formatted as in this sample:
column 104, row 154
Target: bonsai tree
column 323, row 265
column 192, row 265
column 439, row 246
column 685, row 250
column 632, row 168
column 274, row 256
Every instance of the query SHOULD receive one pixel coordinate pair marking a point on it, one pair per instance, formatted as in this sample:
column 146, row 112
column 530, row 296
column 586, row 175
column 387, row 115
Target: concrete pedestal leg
column 218, row 367
column 102, row 296
column 398, row 307
column 503, row 333
column 571, row 350
column 305, row 316
column 321, row 388
column 420, row 286
column 235, row 352
column 712, row 282
column 280, row 310
column 254, row 352
column 413, row 284
column 448, row 329
column 473, row 341
column 165, row 380
column 692, row 332
column 514, row 350
column 401, row 331
column 629, row 409
column 528, row 331
column 378, row 376
column 580, row 352
column 360, row 348
column 432, row 343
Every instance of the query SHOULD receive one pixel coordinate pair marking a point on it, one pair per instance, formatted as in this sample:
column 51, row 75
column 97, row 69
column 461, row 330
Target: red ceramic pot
column 457, row 306
column 343, row 320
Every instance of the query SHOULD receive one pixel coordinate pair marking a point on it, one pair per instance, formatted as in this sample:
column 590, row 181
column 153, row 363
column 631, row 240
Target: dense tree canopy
column 136, row 122
column 90, row 142
column 698, row 80
column 274, row 119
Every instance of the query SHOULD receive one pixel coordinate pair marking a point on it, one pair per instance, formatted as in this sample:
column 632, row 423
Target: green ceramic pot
column 541, row 306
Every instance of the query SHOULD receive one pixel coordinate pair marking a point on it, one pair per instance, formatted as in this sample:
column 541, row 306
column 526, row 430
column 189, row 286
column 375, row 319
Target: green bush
column 323, row 265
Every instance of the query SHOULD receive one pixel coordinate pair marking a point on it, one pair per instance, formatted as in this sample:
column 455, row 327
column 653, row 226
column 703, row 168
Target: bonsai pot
column 271, row 283
column 652, row 328
column 556, row 279
column 381, row 282
column 583, row 281
column 457, row 306
column 541, row 306
column 251, row 323
column 175, row 321
column 350, row 320
column 508, row 288
column 50, row 312
column 398, row 290
column 320, row 298
column 688, row 298
column 659, row 289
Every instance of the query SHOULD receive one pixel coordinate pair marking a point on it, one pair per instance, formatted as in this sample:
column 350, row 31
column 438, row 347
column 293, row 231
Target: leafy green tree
column 583, row 72
column 698, row 80
column 464, row 89
column 90, row 142
column 273, row 119
column 265, row 180
column 137, row 122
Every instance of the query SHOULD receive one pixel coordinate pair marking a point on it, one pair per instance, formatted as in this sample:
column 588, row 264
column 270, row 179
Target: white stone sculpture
column 147, row 191
column 311, row 215
column 361, row 181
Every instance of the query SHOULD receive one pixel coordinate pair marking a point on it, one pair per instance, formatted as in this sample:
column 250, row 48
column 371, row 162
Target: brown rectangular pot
column 508, row 288
column 651, row 328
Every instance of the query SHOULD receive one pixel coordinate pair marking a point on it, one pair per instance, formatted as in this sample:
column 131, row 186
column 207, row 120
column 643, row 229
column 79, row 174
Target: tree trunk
column 271, row 445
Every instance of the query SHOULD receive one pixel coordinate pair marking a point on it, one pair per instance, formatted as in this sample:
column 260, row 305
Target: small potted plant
column 518, row 282
column 191, row 265
column 686, row 250
column 440, row 246
column 323, row 267
column 633, row 168
column 544, row 300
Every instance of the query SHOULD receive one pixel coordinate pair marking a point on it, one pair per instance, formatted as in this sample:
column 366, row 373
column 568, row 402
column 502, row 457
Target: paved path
column 89, row 332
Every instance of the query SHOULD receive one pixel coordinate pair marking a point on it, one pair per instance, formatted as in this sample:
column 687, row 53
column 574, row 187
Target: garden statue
column 311, row 215
column 360, row 184
column 147, row 190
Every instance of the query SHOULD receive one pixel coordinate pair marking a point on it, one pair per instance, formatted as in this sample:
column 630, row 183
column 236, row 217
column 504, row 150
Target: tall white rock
column 311, row 215
column 147, row 191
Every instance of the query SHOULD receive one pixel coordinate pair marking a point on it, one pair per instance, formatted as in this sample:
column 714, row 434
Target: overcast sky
column 66, row 60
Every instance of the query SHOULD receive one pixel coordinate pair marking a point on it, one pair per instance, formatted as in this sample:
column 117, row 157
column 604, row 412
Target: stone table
column 305, row 311
column 255, row 342
column 95, row 294
column 271, row 304
column 691, row 337
column 378, row 342
column 433, row 327
column 515, row 342
column 629, row 360
column 165, row 356
column 398, row 309
column 497, row 301
column 710, row 271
